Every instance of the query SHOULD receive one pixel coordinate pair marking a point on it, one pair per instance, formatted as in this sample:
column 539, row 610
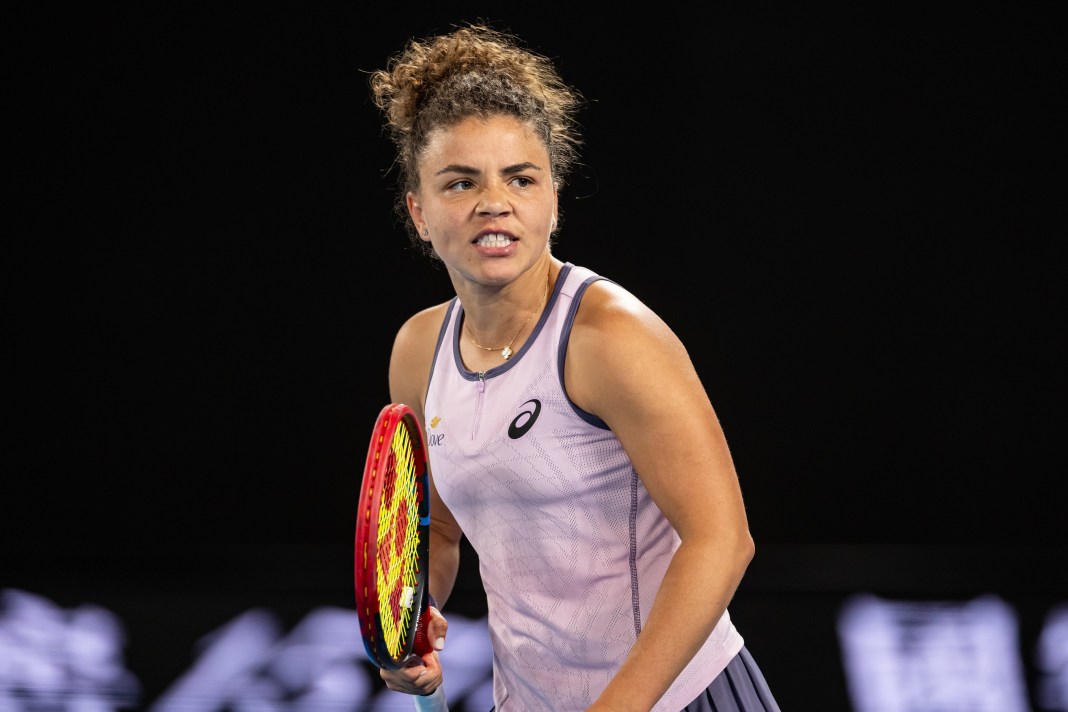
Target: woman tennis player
column 569, row 436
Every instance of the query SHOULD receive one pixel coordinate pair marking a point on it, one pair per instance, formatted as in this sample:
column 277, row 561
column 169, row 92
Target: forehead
column 496, row 139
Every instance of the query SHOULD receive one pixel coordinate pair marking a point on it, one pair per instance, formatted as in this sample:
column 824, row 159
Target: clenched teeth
column 494, row 241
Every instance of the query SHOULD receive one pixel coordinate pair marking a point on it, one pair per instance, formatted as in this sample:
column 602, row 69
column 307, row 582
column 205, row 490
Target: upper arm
column 412, row 357
column 625, row 365
column 409, row 374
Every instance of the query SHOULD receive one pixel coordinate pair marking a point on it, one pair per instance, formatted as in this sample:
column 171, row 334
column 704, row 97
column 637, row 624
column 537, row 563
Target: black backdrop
column 848, row 217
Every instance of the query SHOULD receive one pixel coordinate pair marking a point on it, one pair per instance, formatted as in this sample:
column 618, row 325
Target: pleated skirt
column 739, row 688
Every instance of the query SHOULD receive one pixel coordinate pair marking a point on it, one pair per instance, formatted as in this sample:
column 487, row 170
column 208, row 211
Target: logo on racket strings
column 397, row 544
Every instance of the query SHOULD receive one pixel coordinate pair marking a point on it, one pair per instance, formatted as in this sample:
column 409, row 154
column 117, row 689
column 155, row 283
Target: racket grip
column 421, row 645
column 434, row 702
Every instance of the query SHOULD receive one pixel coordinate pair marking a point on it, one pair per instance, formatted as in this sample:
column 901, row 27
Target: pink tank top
column 571, row 547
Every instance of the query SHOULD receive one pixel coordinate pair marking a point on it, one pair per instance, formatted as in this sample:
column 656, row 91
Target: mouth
column 494, row 239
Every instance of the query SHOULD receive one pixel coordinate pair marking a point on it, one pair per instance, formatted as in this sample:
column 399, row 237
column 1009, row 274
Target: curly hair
column 472, row 71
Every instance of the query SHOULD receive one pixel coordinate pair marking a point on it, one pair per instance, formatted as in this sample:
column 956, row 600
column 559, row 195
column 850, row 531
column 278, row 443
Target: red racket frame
column 377, row 468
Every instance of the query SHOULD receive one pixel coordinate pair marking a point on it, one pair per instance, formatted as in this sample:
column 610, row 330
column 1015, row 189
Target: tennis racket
column 392, row 548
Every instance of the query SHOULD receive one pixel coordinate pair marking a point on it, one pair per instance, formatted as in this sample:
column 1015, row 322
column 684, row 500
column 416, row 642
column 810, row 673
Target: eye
column 460, row 186
column 522, row 182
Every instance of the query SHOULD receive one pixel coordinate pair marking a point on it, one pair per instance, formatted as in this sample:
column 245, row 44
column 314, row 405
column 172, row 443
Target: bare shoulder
column 420, row 327
column 621, row 351
column 607, row 306
column 413, row 354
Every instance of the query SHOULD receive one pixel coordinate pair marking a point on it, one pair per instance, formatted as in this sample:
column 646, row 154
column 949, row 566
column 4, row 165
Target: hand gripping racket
column 393, row 547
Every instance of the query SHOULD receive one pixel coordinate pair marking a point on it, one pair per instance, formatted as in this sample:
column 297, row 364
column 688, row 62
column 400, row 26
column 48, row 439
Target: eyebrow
column 471, row 171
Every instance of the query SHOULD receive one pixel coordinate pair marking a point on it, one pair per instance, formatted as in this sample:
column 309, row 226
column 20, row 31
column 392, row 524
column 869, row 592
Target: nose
column 494, row 200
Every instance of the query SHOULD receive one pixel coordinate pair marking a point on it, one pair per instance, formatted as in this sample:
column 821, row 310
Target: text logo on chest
column 434, row 439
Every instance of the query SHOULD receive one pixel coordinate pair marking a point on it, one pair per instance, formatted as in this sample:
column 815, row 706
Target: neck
column 507, row 332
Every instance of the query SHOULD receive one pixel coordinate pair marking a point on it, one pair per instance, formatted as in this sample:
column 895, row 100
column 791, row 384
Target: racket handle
column 434, row 702
column 422, row 644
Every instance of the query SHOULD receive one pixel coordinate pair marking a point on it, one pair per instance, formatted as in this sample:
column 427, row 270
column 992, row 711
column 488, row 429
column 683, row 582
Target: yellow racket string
column 396, row 571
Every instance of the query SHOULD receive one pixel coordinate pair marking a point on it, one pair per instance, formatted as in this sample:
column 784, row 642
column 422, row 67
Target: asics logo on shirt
column 517, row 429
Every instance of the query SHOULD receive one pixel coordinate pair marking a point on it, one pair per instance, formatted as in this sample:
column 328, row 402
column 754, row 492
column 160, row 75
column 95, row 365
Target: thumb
column 438, row 628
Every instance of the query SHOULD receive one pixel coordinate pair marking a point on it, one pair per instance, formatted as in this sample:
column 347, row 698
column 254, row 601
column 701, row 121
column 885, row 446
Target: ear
column 556, row 207
column 415, row 212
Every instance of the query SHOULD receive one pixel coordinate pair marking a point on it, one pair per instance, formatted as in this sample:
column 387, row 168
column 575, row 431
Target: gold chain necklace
column 506, row 351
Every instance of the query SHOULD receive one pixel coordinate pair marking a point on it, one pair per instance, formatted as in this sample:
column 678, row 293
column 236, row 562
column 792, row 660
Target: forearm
column 444, row 565
column 679, row 621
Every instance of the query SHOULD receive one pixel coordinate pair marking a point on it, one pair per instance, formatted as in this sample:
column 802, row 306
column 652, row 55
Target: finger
column 437, row 629
column 404, row 677
column 418, row 687
column 417, row 679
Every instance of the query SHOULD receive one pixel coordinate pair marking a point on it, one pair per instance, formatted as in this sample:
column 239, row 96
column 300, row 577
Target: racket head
column 392, row 541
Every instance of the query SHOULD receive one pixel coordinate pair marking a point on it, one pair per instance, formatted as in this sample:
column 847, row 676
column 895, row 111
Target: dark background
column 851, row 218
